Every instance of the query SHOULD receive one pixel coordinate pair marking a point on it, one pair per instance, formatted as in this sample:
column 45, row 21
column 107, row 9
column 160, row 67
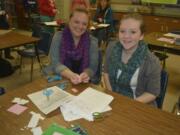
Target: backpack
column 6, row 68
column 3, row 22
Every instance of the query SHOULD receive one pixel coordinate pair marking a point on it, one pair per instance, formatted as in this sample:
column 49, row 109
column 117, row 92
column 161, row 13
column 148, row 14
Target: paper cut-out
column 17, row 109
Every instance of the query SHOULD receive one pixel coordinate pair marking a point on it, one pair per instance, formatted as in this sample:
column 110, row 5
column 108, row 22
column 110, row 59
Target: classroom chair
column 97, row 77
column 164, row 82
column 43, row 47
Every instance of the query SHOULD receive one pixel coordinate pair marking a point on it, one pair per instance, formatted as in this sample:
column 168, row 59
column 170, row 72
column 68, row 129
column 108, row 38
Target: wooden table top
column 151, row 39
column 15, row 39
column 127, row 117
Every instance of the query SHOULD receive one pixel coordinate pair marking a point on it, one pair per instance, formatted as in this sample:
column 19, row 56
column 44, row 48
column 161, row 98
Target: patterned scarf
column 70, row 54
column 122, row 84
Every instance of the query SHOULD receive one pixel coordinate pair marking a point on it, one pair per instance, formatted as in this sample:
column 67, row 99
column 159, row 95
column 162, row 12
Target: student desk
column 153, row 43
column 127, row 117
column 14, row 39
column 11, row 39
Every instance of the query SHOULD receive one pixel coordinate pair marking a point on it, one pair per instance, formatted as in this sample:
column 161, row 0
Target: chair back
column 36, row 29
column 164, row 82
column 44, row 42
column 97, row 77
column 2, row 91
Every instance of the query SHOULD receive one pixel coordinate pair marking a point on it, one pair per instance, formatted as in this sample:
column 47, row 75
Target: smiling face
column 78, row 23
column 130, row 33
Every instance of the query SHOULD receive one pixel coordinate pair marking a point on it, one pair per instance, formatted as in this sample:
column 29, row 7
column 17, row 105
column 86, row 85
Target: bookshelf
column 11, row 11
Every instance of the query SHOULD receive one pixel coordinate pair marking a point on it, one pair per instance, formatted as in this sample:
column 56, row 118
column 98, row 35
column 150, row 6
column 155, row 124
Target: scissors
column 99, row 116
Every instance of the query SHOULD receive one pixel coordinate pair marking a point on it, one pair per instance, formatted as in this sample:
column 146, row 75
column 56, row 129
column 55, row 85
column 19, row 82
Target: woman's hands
column 76, row 78
column 82, row 78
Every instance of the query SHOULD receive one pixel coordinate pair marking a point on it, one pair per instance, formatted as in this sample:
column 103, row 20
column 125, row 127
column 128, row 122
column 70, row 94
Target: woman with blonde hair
column 130, row 68
column 74, row 52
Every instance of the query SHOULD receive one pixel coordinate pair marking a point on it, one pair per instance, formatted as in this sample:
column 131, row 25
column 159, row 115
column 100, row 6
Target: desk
column 14, row 39
column 151, row 39
column 59, row 26
column 127, row 117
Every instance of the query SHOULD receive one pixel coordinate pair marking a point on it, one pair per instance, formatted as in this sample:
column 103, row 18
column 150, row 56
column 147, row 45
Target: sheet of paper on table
column 53, row 23
column 168, row 40
column 172, row 35
column 47, row 105
column 85, row 104
column 102, row 25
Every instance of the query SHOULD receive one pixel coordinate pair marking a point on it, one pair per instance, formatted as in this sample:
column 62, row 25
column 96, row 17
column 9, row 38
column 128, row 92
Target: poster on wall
column 160, row 1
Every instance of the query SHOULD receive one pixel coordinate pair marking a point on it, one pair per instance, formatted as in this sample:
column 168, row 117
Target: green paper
column 161, row 1
column 54, row 128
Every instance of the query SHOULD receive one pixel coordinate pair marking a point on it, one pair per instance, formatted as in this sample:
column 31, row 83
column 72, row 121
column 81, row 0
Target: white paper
column 172, row 35
column 85, row 104
column 37, row 131
column 16, row 100
column 20, row 101
column 34, row 120
column 102, row 25
column 92, row 28
column 53, row 23
column 168, row 40
column 55, row 100
column 69, row 115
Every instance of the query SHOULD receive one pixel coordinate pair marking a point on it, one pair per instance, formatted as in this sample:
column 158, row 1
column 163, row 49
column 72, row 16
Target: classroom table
column 127, row 117
column 154, row 44
column 11, row 39
column 14, row 39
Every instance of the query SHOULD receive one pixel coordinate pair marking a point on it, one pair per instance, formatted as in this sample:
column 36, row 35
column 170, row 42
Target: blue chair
column 164, row 82
column 162, row 57
column 43, row 47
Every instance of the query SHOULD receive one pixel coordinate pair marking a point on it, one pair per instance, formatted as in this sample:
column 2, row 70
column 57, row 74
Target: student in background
column 85, row 4
column 103, row 15
column 47, row 10
column 130, row 68
column 74, row 53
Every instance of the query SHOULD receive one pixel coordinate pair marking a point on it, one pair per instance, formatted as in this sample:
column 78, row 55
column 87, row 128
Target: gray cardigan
column 58, row 67
column 149, row 73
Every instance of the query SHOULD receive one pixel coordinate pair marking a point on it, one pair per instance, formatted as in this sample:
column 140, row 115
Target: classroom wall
column 63, row 9
column 122, row 1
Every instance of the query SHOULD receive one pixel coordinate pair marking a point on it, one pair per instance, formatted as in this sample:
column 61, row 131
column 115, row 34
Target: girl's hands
column 84, row 77
column 75, row 78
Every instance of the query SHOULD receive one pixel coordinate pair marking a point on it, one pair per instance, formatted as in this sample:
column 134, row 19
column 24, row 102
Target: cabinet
column 11, row 11
column 161, row 24
column 156, row 23
column 173, row 24
column 22, row 18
